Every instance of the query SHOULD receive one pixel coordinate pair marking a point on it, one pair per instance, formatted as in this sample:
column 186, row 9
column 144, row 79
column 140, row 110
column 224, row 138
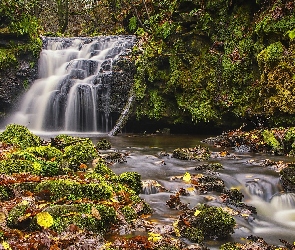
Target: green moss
column 43, row 160
column 79, row 153
column 6, row 193
column 91, row 217
column 16, row 214
column 230, row 246
column 103, row 144
column 287, row 178
column 47, row 153
column 271, row 141
column 271, row 55
column 73, row 190
column 20, row 136
column 102, row 169
column 205, row 222
column 11, row 166
column 129, row 213
column 193, row 234
column 132, row 180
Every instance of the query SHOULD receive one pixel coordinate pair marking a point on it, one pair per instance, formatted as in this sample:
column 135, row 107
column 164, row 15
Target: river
column 146, row 154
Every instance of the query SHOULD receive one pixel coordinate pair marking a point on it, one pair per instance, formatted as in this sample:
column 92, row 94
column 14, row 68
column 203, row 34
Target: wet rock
column 287, row 178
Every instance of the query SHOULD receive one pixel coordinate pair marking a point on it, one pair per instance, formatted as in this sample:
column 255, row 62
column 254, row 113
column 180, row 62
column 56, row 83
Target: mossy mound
column 204, row 222
column 103, row 144
column 19, row 136
column 197, row 153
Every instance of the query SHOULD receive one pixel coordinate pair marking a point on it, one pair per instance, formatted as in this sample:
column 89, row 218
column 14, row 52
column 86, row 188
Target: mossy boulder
column 205, row 222
column 42, row 160
column 197, row 153
column 20, row 136
column 103, row 144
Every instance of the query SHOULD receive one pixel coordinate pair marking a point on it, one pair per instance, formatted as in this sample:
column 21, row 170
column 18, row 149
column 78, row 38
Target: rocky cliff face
column 16, row 77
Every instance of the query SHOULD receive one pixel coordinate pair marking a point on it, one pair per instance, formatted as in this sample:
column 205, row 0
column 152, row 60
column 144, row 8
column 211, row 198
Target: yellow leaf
column 44, row 219
column 186, row 177
column 154, row 237
column 176, row 230
column 5, row 245
column 197, row 212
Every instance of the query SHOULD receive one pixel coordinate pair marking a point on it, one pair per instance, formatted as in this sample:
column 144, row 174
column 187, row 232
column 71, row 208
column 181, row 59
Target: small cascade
column 283, row 201
column 77, row 88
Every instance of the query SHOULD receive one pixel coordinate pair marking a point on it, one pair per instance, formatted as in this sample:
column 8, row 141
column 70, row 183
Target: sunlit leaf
column 5, row 245
column 186, row 177
column 44, row 219
column 197, row 212
column 154, row 237
column 176, row 229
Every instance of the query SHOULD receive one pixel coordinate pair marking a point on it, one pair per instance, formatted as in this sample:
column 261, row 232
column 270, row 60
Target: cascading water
column 75, row 85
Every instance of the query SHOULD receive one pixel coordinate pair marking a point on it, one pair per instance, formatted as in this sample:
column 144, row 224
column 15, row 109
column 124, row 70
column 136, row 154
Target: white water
column 73, row 90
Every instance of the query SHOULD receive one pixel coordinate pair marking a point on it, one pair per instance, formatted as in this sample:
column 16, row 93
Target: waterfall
column 76, row 85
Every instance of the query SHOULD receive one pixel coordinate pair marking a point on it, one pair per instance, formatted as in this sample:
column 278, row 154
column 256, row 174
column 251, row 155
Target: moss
column 47, row 153
column 230, row 246
column 80, row 153
column 18, row 166
column 193, row 234
column 62, row 141
column 289, row 141
column 30, row 160
column 73, row 190
column 197, row 153
column 20, row 136
column 129, row 213
column 6, row 193
column 271, row 141
column 102, row 169
column 132, row 180
column 271, row 55
column 287, row 178
column 103, row 144
column 96, row 218
column 16, row 216
column 207, row 222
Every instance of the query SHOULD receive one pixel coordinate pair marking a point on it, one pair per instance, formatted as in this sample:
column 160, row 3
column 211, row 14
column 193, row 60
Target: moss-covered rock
column 20, row 136
column 103, row 144
column 197, row 153
column 204, row 222
column 132, row 180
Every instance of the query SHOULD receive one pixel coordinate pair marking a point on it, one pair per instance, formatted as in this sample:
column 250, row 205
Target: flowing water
column 74, row 88
column 151, row 156
column 275, row 218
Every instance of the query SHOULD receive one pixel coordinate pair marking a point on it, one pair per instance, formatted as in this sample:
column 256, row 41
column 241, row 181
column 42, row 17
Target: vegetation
column 196, row 61
column 45, row 187
column 204, row 222
column 279, row 141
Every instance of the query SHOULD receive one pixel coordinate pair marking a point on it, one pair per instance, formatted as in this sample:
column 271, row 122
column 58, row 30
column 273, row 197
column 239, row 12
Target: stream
column 147, row 155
